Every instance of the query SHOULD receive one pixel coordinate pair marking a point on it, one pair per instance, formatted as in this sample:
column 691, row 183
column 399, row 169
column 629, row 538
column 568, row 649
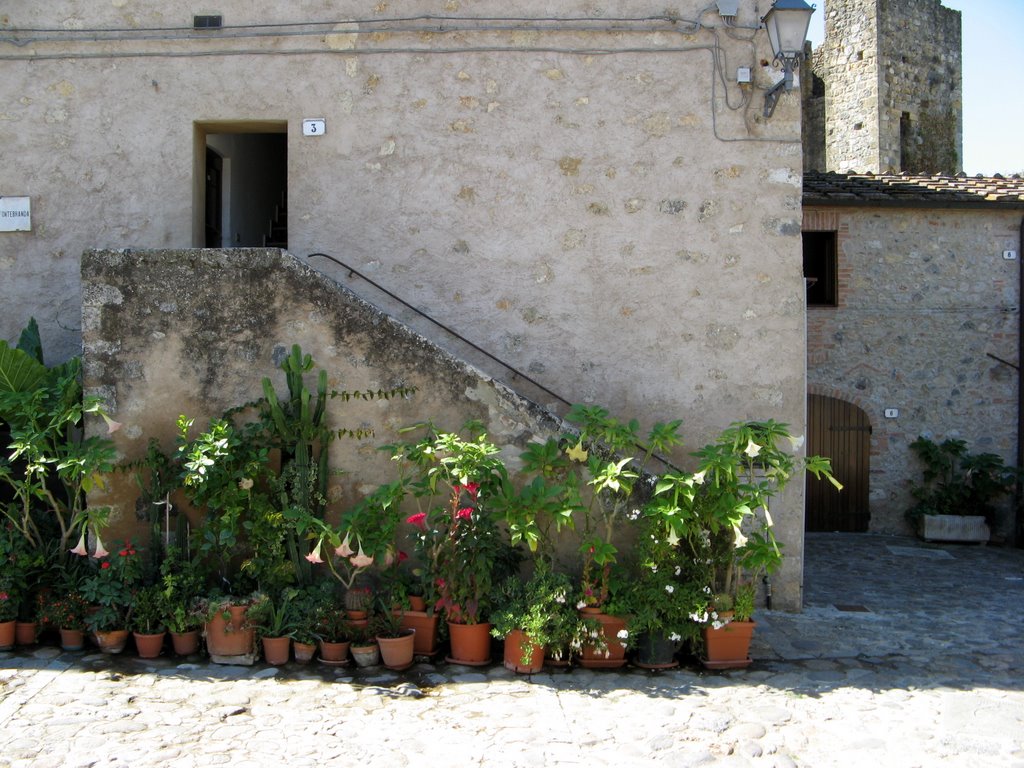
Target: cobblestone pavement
column 907, row 654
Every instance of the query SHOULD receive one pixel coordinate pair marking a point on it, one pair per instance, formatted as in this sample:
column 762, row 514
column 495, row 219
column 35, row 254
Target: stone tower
column 883, row 92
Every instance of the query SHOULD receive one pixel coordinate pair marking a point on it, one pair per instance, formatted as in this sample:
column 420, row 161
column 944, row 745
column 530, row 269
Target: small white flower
column 752, row 449
column 581, row 605
column 699, row 477
column 654, row 569
column 560, row 598
column 707, row 590
column 669, row 588
column 679, row 569
column 717, row 624
column 675, row 638
column 622, row 634
column 796, row 442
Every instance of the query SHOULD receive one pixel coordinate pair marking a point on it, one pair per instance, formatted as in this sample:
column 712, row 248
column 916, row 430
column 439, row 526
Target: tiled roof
column 913, row 190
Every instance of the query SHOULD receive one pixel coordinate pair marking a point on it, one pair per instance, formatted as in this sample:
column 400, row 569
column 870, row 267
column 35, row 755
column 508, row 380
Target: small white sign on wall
column 316, row 126
column 15, row 214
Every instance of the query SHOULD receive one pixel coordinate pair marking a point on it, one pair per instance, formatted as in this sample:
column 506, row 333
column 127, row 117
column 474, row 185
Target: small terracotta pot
column 185, row 643
column 366, row 655
column 276, row 650
column 25, row 632
column 8, row 633
column 471, row 643
column 518, row 644
column 72, row 639
column 417, row 603
column 111, row 641
column 333, row 653
column 397, row 652
column 149, row 646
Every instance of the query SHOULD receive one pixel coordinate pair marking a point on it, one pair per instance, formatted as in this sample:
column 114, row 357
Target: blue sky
column 993, row 55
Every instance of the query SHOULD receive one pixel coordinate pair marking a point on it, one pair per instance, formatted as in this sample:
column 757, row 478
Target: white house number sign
column 314, row 127
column 15, row 214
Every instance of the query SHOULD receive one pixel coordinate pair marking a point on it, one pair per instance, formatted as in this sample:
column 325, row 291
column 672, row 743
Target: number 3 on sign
column 315, row 127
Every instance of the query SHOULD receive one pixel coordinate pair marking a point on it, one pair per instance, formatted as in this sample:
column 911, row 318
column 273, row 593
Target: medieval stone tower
column 883, row 92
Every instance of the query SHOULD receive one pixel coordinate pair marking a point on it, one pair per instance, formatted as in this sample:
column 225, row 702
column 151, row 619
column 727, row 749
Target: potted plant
column 397, row 645
column 182, row 584
column 661, row 595
column 305, row 609
column 65, row 611
column 110, row 589
column 364, row 648
column 955, row 500
column 726, row 519
column 333, row 628
column 147, row 621
column 455, row 479
column 274, row 622
column 532, row 616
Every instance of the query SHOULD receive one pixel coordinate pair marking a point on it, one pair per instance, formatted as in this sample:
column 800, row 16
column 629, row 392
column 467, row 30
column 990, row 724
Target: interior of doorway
column 241, row 194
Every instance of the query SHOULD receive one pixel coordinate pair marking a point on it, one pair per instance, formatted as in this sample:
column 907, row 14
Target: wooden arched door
column 842, row 432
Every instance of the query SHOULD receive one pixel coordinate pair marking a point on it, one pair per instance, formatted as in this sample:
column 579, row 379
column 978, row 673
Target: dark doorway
column 842, row 432
column 245, row 195
column 214, row 199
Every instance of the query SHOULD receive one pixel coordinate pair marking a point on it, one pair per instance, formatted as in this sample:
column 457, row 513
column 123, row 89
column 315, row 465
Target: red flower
column 123, row 553
column 472, row 489
column 402, row 557
column 4, row 596
column 419, row 520
column 465, row 513
column 104, row 565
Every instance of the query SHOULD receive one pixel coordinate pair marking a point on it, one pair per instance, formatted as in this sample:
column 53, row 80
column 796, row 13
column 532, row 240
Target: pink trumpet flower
column 362, row 560
column 112, row 426
column 101, row 551
column 80, row 549
column 344, row 550
column 314, row 556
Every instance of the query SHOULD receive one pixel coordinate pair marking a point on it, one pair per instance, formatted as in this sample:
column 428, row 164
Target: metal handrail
column 515, row 371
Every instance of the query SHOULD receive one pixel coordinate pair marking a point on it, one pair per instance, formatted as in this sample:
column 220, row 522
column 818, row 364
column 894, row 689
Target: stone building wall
column 893, row 87
column 925, row 298
column 573, row 196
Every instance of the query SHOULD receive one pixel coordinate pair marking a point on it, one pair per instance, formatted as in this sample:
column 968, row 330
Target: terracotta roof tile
column 912, row 189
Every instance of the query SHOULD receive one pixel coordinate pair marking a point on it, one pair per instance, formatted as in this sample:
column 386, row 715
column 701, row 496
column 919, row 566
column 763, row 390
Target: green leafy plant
column 63, row 610
column 957, row 482
column 274, row 617
column 456, row 481
column 111, row 588
column 182, row 582
column 49, row 466
column 724, row 508
column 541, row 607
column 148, row 611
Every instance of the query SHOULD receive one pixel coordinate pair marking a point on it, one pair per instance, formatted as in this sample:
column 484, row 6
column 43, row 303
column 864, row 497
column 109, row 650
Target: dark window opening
column 821, row 269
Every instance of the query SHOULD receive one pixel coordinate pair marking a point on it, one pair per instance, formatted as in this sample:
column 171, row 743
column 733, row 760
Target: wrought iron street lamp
column 787, row 22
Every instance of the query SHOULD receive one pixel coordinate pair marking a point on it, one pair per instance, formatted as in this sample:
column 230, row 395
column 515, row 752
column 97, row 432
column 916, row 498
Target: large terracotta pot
column 230, row 640
column 25, row 632
column 72, row 639
column 276, row 650
column 397, row 652
column 111, row 641
column 149, row 646
column 517, row 646
column 426, row 630
column 615, row 656
column 8, row 633
column 729, row 646
column 471, row 644
column 185, row 643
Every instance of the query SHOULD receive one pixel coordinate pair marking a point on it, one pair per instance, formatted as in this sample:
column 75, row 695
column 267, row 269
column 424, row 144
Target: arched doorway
column 842, row 432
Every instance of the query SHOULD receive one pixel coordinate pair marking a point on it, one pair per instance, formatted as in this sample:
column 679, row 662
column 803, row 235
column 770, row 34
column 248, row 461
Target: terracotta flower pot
column 72, row 639
column 111, row 641
column 230, row 639
column 397, row 652
column 615, row 656
column 417, row 603
column 518, row 645
column 185, row 643
column 149, row 646
column 728, row 647
column 276, row 650
column 471, row 644
column 426, row 630
column 303, row 652
column 25, row 632
column 8, row 633
column 334, row 653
